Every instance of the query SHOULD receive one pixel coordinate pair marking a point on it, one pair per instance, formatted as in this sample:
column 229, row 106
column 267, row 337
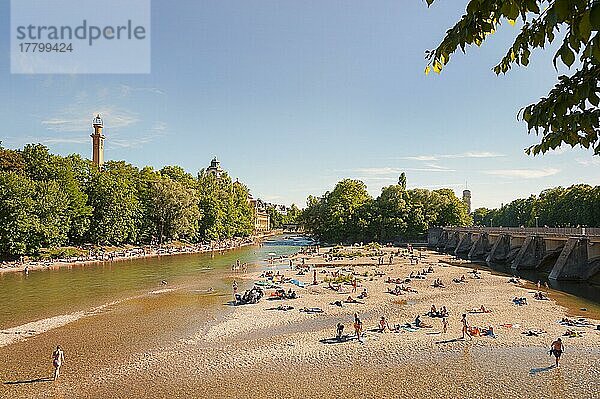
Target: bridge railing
column 547, row 231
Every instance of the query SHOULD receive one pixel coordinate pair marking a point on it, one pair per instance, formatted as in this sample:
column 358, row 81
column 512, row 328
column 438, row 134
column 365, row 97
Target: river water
column 51, row 292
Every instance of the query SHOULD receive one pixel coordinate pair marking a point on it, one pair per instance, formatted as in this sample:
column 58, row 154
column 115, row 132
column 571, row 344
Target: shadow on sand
column 538, row 370
column 448, row 341
column 43, row 379
column 334, row 340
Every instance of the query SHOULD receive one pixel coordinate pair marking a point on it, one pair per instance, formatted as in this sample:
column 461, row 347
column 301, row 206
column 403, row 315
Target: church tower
column 98, row 142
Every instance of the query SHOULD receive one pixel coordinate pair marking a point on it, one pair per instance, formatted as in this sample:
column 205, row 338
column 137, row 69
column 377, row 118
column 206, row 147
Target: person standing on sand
column 465, row 327
column 235, row 288
column 354, row 284
column 444, row 325
column 58, row 356
column 557, row 348
column 358, row 327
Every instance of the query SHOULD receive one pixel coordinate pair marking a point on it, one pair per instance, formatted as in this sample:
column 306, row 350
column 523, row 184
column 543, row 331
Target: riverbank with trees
column 51, row 201
column 577, row 205
column 349, row 214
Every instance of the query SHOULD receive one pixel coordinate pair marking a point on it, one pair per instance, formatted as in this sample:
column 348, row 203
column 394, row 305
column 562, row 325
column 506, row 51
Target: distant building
column 214, row 168
column 467, row 199
column 262, row 220
column 98, row 142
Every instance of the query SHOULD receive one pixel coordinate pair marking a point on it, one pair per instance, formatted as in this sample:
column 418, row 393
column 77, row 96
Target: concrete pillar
column 433, row 236
column 500, row 249
column 443, row 240
column 530, row 255
column 480, row 247
column 572, row 264
column 464, row 244
column 453, row 238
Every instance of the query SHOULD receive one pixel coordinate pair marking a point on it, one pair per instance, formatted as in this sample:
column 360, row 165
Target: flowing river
column 48, row 293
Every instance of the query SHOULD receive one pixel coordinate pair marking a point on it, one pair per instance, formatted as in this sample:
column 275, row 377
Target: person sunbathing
column 483, row 309
column 540, row 296
column 350, row 300
column 396, row 291
column 420, row 324
column 363, row 294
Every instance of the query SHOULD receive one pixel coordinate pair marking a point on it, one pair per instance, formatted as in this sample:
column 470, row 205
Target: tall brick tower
column 98, row 142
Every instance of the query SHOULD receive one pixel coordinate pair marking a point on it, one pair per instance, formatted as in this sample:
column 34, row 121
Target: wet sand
column 186, row 343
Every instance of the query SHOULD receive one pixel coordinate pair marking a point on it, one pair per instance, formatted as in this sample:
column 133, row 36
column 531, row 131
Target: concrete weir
column 526, row 248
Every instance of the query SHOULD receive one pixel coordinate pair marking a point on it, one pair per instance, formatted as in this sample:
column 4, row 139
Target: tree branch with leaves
column 570, row 113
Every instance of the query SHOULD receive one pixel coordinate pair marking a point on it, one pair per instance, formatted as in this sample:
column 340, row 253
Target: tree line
column 578, row 205
column 47, row 200
column 349, row 214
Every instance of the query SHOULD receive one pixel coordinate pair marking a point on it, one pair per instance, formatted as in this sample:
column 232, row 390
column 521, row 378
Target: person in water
column 58, row 356
column 557, row 348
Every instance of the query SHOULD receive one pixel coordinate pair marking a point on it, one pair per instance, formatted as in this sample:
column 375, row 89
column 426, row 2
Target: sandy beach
column 176, row 344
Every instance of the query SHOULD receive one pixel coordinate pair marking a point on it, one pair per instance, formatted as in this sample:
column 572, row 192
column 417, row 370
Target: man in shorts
column 557, row 348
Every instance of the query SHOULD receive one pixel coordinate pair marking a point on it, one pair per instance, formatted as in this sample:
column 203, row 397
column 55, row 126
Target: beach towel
column 298, row 283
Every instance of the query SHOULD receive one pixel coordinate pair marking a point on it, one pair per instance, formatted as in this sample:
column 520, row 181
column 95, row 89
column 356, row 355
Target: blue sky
column 293, row 96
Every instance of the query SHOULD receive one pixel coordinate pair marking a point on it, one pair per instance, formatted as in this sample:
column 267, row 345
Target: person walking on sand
column 235, row 288
column 557, row 348
column 444, row 325
column 465, row 327
column 58, row 356
column 354, row 284
column 358, row 327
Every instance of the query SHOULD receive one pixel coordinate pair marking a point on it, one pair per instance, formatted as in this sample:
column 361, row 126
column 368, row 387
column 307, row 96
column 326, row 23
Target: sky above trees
column 295, row 96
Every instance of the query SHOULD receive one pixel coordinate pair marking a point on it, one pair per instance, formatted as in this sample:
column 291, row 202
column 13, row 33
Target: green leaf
column 567, row 56
column 585, row 27
column 595, row 16
column 562, row 8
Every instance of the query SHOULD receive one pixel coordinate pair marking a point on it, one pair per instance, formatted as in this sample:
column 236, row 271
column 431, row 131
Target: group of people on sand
column 434, row 312
column 540, row 296
column 437, row 283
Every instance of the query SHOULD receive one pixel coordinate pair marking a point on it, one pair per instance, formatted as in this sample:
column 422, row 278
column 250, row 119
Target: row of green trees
column 48, row 200
column 349, row 214
column 279, row 219
column 578, row 205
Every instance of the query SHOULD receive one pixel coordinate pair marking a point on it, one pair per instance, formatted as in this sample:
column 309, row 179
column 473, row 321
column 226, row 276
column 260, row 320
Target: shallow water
column 580, row 298
column 51, row 292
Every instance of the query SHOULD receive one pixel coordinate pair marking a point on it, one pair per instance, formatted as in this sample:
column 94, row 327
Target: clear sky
column 294, row 95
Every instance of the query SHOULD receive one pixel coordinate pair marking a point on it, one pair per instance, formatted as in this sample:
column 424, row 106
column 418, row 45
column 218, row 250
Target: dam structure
column 569, row 254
